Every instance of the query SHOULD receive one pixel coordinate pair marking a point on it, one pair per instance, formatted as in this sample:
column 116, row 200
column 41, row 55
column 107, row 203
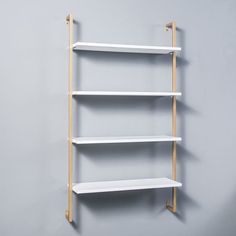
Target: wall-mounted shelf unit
column 122, row 185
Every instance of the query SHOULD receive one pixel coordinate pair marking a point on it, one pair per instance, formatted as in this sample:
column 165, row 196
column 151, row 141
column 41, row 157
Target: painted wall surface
column 34, row 72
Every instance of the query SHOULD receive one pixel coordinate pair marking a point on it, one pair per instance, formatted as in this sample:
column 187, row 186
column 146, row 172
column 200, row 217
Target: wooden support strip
column 172, row 25
column 69, row 20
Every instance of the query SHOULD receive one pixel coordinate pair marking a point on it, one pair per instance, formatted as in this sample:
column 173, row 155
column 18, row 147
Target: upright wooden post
column 172, row 25
column 69, row 20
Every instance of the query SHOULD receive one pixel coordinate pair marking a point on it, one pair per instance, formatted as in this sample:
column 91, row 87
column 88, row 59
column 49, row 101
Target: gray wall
column 34, row 117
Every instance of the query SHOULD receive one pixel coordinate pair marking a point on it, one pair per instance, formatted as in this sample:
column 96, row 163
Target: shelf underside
column 124, row 185
column 122, row 93
column 105, row 47
column 125, row 139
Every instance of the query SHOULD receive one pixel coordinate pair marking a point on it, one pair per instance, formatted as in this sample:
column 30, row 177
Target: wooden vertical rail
column 69, row 20
column 172, row 207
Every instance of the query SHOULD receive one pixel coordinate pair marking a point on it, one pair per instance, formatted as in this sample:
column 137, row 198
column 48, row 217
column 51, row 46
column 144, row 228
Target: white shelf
column 121, row 93
column 105, row 47
column 125, row 139
column 124, row 185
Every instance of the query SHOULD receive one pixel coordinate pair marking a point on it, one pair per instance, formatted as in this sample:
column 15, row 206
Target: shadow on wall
column 184, row 201
column 131, row 202
column 142, row 200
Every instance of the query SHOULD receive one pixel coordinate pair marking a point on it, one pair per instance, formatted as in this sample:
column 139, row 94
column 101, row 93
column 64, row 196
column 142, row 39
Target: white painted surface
column 105, row 47
column 125, row 139
column 121, row 93
column 124, row 185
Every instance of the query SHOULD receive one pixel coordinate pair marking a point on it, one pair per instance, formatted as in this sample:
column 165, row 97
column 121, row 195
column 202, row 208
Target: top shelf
column 107, row 47
column 125, row 93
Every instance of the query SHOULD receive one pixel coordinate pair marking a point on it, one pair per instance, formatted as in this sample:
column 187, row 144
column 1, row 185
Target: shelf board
column 105, row 47
column 122, row 93
column 125, row 139
column 124, row 185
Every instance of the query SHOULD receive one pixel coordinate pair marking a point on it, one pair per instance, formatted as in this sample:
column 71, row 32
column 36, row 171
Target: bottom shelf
column 124, row 185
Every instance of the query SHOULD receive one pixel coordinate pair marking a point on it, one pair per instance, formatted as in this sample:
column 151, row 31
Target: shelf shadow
column 124, row 58
column 124, row 201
